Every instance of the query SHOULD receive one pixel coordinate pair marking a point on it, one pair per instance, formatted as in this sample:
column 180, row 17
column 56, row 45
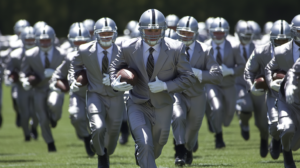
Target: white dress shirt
column 100, row 54
column 272, row 51
column 222, row 48
column 191, row 50
column 247, row 47
column 146, row 52
column 296, row 52
column 43, row 57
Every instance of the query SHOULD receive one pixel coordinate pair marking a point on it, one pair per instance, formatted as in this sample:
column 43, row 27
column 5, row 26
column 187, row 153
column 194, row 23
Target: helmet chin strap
column 219, row 41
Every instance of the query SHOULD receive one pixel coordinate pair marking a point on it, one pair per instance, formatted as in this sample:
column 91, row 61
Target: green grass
column 14, row 152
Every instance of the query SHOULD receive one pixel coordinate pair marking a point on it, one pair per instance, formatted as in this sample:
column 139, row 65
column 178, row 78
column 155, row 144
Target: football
column 14, row 76
column 81, row 78
column 278, row 74
column 63, row 85
column 34, row 79
column 128, row 75
column 260, row 83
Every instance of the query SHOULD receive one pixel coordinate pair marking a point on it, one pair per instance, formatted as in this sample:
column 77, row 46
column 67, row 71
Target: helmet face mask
column 29, row 43
column 152, row 36
column 187, row 37
column 280, row 33
column 105, row 31
column 245, row 38
column 218, row 36
column 187, row 30
column 28, row 37
column 45, row 44
column 105, row 38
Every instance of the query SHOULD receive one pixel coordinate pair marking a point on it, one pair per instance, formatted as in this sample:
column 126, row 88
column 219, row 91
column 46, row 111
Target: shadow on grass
column 278, row 161
column 16, row 161
column 211, row 165
column 74, row 145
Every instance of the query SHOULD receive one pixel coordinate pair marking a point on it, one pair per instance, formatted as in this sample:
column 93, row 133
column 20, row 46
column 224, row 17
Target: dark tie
column 245, row 54
column 187, row 53
column 219, row 57
column 104, row 62
column 47, row 62
column 150, row 63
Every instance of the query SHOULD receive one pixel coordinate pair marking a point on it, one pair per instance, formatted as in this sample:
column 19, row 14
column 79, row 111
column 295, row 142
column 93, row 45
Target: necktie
column 47, row 62
column 245, row 54
column 150, row 63
column 219, row 57
column 187, row 53
column 104, row 62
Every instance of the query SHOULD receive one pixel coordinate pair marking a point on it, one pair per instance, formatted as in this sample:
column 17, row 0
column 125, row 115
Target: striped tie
column 187, row 53
column 104, row 62
column 245, row 54
column 150, row 63
column 219, row 57
column 47, row 62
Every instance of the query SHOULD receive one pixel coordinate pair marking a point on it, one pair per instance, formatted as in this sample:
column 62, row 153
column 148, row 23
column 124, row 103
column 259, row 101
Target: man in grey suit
column 222, row 97
column 42, row 61
column 246, row 102
column 162, row 70
column 105, row 107
column 189, row 107
column 24, row 97
column 255, row 68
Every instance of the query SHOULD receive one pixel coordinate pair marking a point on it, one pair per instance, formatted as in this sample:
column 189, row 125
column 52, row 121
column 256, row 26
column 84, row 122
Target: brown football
column 260, row 83
column 279, row 74
column 33, row 80
column 14, row 76
column 128, row 75
column 63, row 85
column 81, row 78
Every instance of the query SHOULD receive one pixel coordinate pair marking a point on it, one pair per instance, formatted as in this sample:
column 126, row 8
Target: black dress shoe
column 136, row 153
column 245, row 134
column 18, row 120
column 124, row 133
column 288, row 159
column 263, row 148
column 180, row 155
column 34, row 133
column 195, row 147
column 53, row 123
column 27, row 138
column 275, row 148
column 189, row 157
column 219, row 141
column 88, row 146
column 51, row 147
column 103, row 161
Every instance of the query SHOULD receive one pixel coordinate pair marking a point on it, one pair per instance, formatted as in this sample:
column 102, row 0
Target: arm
column 61, row 72
column 212, row 73
column 240, row 64
column 76, row 63
column 271, row 66
column 252, row 66
column 116, row 65
column 293, row 74
column 185, row 77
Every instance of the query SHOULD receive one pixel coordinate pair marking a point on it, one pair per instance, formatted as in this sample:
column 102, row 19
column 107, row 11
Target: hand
column 106, row 80
column 75, row 86
column 8, row 81
column 275, row 85
column 289, row 93
column 226, row 71
column 120, row 86
column 26, row 85
column 54, row 88
column 198, row 74
column 256, row 92
column 157, row 86
column 48, row 72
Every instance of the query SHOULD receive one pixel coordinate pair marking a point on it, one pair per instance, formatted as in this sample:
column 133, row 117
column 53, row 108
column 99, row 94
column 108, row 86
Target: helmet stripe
column 188, row 22
column 281, row 32
column 153, row 16
column 79, row 29
column 44, row 31
column 220, row 24
column 105, row 21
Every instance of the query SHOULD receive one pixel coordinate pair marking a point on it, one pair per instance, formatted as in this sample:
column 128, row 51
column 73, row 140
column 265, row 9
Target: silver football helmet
column 135, row 33
column 218, row 30
column 256, row 29
column 208, row 22
column 171, row 34
column 89, row 25
column 131, row 25
column 295, row 25
column 280, row 33
column 45, row 37
column 105, row 25
column 28, row 37
column 244, row 32
column 187, row 30
column 172, row 21
column 39, row 24
column 267, row 27
column 20, row 25
column 78, row 34
column 152, row 19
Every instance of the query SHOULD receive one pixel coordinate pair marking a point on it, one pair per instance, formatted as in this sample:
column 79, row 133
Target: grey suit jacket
column 33, row 63
column 255, row 66
column 15, row 61
column 232, row 60
column 240, row 79
column 171, row 67
column 283, row 60
column 86, row 58
column 211, row 73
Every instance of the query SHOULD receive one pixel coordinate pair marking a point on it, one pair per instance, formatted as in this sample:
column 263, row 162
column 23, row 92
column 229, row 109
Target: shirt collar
column 50, row 52
column 246, row 46
column 192, row 46
column 221, row 45
column 146, row 47
column 100, row 49
column 295, row 46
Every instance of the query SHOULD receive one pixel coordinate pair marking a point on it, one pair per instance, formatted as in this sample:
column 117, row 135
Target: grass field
column 15, row 152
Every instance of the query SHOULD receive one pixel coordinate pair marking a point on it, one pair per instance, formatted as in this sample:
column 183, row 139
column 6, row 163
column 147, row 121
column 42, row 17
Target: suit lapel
column 162, row 57
column 139, row 59
column 197, row 52
column 252, row 47
column 289, row 54
column 227, row 46
column 38, row 60
column 94, row 59
column 55, row 57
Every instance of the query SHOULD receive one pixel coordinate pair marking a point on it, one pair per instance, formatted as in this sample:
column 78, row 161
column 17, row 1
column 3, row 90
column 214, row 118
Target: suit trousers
column 55, row 103
column 105, row 116
column 78, row 115
column 248, row 103
column 272, row 116
column 188, row 113
column 149, row 138
column 222, row 101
